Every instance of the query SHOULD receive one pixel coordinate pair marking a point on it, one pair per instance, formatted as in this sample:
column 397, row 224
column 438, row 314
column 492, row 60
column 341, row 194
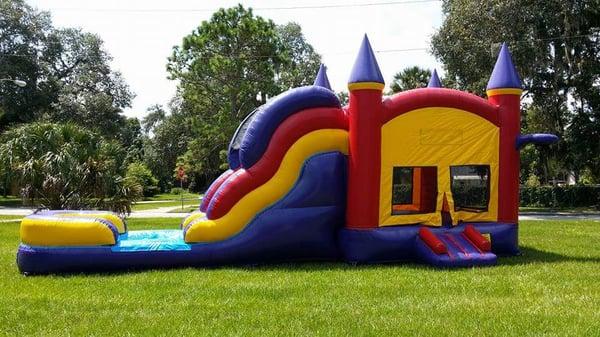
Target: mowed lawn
column 553, row 289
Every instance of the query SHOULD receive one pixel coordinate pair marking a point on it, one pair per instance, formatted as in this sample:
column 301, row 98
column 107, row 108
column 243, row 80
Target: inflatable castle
column 429, row 175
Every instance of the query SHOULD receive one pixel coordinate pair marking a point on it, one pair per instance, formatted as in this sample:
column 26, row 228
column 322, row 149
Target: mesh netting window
column 470, row 187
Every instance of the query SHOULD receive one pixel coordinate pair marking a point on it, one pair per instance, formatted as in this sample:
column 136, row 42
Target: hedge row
column 560, row 196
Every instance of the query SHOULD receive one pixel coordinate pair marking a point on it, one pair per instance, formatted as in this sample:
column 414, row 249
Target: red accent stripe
column 464, row 236
column 289, row 131
column 509, row 161
column 212, row 189
column 478, row 240
column 364, row 160
column 432, row 241
column 438, row 97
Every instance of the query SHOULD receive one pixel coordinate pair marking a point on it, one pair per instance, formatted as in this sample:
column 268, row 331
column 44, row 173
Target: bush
column 141, row 174
column 63, row 166
column 177, row 190
column 560, row 196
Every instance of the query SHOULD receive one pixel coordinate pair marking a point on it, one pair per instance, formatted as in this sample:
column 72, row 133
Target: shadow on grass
column 529, row 255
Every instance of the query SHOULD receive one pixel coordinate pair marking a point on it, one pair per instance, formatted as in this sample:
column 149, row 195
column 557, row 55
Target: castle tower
column 434, row 81
column 504, row 90
column 321, row 80
column 365, row 88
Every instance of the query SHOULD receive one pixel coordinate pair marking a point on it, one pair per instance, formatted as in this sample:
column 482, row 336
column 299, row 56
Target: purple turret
column 434, row 81
column 322, row 80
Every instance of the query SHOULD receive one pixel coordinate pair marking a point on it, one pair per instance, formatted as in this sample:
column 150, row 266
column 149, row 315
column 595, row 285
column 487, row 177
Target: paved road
column 559, row 216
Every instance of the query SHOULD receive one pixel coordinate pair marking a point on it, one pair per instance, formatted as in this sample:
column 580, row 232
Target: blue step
column 461, row 252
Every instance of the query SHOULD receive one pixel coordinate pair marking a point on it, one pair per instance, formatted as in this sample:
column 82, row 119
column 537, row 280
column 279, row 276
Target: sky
column 140, row 34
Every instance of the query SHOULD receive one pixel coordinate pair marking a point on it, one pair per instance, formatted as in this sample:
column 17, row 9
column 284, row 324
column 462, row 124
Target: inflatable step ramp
column 450, row 249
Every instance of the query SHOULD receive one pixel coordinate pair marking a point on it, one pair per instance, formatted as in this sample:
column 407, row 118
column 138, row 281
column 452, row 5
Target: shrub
column 560, row 196
column 177, row 190
column 141, row 174
column 61, row 166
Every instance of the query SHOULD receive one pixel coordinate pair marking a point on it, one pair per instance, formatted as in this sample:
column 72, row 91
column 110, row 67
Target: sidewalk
column 163, row 212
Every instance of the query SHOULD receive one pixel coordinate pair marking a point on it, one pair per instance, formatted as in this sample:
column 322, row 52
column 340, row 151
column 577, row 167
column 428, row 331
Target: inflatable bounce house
column 428, row 175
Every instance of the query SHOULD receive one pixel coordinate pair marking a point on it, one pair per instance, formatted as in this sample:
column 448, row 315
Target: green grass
column 553, row 289
column 167, row 200
column 10, row 217
column 186, row 209
column 10, row 201
column 155, row 205
column 169, row 196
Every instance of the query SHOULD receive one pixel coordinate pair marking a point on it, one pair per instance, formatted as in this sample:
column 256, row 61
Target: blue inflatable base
column 402, row 243
column 167, row 249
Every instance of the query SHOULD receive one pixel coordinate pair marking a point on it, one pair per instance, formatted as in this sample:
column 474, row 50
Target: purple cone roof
column 322, row 80
column 434, row 81
column 504, row 74
column 365, row 67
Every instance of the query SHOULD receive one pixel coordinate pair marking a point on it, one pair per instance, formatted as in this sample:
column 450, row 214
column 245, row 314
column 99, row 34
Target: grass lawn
column 553, row 289
column 5, row 218
column 186, row 209
column 10, row 201
column 168, row 200
column 169, row 196
column 154, row 205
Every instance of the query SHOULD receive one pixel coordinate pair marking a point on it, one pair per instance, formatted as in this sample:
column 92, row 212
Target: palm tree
column 410, row 78
column 62, row 166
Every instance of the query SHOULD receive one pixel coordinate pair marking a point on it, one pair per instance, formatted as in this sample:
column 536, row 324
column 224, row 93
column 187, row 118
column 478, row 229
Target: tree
column 301, row 60
column 90, row 92
column 139, row 173
column 67, row 72
column 23, row 55
column 222, row 66
column 155, row 115
column 555, row 46
column 343, row 97
column 63, row 166
column 168, row 141
column 410, row 78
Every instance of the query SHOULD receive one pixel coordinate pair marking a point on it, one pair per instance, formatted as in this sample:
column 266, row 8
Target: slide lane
column 213, row 188
column 200, row 229
column 236, row 185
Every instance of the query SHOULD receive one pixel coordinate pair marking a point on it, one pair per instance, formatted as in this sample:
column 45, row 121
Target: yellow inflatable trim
column 65, row 231
column 116, row 220
column 278, row 186
column 193, row 216
column 505, row 91
column 366, row 85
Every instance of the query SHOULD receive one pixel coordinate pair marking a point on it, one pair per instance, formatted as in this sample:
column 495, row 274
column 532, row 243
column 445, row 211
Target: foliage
column 343, row 97
column 67, row 71
column 23, row 55
column 560, row 196
column 555, row 46
column 178, row 190
column 301, row 61
column 532, row 181
column 168, row 139
column 140, row 174
column 410, row 78
column 226, row 68
column 64, row 166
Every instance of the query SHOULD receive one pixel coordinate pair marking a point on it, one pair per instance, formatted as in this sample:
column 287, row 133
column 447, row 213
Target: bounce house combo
column 428, row 175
